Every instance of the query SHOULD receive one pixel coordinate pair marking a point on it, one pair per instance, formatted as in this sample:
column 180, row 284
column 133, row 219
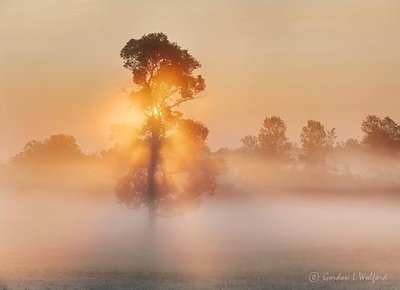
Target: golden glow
column 301, row 65
column 156, row 112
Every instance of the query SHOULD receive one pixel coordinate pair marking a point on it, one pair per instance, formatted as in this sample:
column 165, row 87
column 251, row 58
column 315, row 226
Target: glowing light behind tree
column 178, row 169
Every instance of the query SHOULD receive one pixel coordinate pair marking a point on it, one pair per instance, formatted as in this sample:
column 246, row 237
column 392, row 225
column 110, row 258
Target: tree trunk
column 151, row 176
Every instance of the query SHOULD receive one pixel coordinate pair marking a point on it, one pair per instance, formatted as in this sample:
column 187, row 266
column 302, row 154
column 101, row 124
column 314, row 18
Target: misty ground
column 245, row 270
column 64, row 242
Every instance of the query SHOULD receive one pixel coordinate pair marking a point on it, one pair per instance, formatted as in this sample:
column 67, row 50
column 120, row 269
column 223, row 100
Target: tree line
column 380, row 136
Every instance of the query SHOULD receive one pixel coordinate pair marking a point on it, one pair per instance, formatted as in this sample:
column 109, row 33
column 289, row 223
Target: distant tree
column 271, row 141
column 163, row 78
column 58, row 149
column 249, row 144
column 272, row 138
column 381, row 134
column 316, row 143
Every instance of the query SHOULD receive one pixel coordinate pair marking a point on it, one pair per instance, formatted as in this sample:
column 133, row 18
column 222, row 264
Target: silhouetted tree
column 249, row 144
column 58, row 149
column 272, row 138
column 163, row 78
column 271, row 141
column 381, row 135
column 316, row 143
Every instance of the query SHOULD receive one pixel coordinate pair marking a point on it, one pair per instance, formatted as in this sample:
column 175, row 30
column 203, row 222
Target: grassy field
column 247, row 270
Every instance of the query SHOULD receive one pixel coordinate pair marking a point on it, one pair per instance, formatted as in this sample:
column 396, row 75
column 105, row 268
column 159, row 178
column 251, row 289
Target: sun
column 156, row 112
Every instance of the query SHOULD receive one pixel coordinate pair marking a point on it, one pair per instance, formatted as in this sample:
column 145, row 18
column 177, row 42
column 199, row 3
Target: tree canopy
column 163, row 74
column 316, row 142
column 58, row 148
column 381, row 134
column 271, row 141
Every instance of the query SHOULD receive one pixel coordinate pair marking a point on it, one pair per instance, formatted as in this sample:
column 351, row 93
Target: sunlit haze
column 334, row 61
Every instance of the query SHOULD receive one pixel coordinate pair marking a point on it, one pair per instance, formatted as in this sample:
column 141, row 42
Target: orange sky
column 334, row 61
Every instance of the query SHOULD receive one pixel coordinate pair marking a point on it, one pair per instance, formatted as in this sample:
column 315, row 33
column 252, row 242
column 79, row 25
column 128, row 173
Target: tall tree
column 271, row 141
column 381, row 134
column 272, row 138
column 316, row 143
column 163, row 78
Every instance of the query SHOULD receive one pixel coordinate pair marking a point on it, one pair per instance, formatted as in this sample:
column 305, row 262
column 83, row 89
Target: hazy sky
column 334, row 61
